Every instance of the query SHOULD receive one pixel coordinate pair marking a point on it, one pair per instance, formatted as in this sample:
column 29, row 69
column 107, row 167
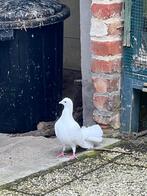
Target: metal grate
column 134, row 71
column 140, row 55
column 136, row 54
column 143, row 112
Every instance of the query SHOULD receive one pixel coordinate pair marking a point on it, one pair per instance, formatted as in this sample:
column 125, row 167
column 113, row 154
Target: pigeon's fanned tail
column 94, row 140
column 92, row 135
column 92, row 131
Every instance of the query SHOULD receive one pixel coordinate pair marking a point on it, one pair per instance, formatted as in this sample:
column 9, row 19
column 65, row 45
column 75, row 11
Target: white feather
column 69, row 132
column 67, row 129
column 92, row 135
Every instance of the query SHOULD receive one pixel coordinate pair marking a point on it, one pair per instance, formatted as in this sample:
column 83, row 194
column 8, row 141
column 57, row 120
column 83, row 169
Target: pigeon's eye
column 64, row 101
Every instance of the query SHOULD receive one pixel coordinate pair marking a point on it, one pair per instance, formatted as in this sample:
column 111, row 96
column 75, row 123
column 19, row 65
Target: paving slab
column 105, row 171
column 22, row 156
column 134, row 160
column 50, row 180
column 96, row 174
column 110, row 180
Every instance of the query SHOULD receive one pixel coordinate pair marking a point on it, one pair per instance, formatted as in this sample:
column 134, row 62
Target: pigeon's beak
column 60, row 102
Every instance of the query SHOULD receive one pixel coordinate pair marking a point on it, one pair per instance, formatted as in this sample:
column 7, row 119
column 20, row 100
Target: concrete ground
column 22, row 156
column 120, row 170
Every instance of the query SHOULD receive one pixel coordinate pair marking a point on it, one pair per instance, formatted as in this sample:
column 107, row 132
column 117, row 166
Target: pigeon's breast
column 67, row 133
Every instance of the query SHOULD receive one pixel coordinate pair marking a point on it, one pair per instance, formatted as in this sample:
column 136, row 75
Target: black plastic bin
column 31, row 58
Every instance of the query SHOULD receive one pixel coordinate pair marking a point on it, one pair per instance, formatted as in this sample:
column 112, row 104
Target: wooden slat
column 145, row 84
column 144, row 90
column 127, row 23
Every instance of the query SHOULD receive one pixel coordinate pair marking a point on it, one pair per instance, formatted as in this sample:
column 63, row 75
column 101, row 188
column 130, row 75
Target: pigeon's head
column 67, row 102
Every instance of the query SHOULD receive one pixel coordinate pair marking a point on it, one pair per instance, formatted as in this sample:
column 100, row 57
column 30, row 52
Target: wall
column 101, row 23
column 106, row 54
column 72, row 49
column 87, row 87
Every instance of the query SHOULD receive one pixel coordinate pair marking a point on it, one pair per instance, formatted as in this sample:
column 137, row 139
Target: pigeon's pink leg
column 61, row 154
column 73, row 156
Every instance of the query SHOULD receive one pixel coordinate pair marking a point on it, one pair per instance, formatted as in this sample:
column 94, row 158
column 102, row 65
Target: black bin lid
column 21, row 14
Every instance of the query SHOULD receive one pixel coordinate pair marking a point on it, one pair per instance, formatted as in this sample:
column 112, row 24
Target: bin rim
column 36, row 22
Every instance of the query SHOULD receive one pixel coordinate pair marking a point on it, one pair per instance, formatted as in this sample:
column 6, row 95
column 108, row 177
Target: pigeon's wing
column 56, row 127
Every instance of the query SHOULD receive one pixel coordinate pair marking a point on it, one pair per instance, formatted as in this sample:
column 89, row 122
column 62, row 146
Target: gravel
column 113, row 180
column 99, row 173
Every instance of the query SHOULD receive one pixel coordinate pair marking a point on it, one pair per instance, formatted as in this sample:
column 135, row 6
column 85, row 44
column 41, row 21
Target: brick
column 102, row 66
column 98, row 28
column 105, row 127
column 103, row 85
column 105, row 11
column 106, row 48
column 103, row 121
column 107, row 121
column 115, row 28
column 115, row 121
column 106, row 102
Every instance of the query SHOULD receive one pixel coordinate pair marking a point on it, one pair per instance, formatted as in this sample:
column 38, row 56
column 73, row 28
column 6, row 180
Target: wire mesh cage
column 134, row 70
column 140, row 56
column 136, row 55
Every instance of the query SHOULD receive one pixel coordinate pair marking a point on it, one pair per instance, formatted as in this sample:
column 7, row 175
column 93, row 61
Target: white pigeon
column 70, row 134
column 67, row 129
column 91, row 136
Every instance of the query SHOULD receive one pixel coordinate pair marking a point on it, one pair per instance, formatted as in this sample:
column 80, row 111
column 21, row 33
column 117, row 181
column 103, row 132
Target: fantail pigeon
column 70, row 134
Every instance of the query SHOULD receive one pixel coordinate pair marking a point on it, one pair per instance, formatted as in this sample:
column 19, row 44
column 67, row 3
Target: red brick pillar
column 106, row 49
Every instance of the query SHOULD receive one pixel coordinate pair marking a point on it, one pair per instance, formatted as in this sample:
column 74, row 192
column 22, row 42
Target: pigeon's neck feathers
column 67, row 111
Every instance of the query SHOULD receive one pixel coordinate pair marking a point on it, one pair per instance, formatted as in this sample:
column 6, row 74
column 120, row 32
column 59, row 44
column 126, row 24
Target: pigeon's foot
column 61, row 154
column 72, row 157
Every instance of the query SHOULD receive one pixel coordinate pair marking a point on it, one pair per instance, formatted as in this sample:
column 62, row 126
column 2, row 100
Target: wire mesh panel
column 134, row 71
column 140, row 55
column 136, row 54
